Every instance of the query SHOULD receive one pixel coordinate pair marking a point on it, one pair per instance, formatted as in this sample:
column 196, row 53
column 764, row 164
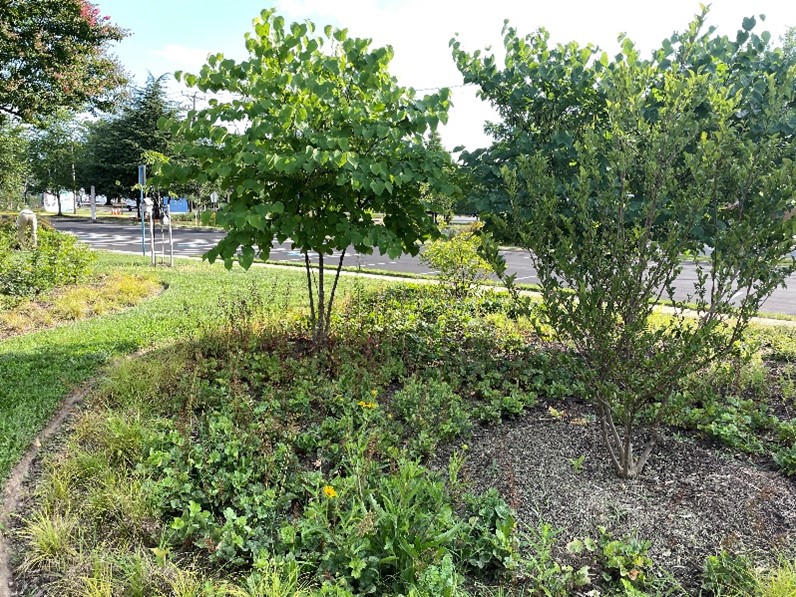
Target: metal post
column 93, row 205
column 171, row 243
column 152, row 235
column 141, row 208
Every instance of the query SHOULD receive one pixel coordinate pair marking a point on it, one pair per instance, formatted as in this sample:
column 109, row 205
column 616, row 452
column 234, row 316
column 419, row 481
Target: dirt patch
column 13, row 491
column 692, row 500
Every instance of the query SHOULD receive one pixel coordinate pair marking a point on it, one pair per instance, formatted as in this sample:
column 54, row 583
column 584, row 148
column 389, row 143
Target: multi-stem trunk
column 320, row 307
column 620, row 445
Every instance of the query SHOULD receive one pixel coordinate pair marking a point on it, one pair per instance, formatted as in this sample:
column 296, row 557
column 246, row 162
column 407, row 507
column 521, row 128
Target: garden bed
column 250, row 460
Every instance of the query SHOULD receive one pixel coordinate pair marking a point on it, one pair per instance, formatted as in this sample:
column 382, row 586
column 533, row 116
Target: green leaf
column 256, row 221
column 377, row 186
column 246, row 257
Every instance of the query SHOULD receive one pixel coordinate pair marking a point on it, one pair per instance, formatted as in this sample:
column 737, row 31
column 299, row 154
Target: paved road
column 192, row 242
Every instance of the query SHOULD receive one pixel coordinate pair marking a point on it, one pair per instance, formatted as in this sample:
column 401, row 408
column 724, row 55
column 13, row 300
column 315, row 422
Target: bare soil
column 693, row 499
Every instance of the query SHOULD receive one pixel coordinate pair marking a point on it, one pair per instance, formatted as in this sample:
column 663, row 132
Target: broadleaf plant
column 310, row 138
column 689, row 153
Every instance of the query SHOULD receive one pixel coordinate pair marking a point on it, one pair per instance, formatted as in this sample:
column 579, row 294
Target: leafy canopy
column 54, row 54
column 310, row 136
column 613, row 169
column 52, row 151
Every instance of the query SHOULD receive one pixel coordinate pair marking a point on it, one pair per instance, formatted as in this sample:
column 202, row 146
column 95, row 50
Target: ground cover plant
column 248, row 462
column 97, row 296
column 55, row 281
column 270, row 455
column 40, row 368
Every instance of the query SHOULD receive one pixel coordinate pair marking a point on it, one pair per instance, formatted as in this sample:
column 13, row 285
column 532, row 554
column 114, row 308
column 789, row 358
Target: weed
column 577, row 464
column 728, row 574
column 777, row 582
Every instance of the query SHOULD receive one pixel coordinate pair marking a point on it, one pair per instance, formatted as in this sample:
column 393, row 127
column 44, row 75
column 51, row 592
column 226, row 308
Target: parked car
column 131, row 204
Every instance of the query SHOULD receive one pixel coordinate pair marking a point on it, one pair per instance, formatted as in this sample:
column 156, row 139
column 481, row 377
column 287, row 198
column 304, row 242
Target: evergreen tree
column 118, row 144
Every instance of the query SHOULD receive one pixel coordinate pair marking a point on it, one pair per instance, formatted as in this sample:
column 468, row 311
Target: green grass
column 39, row 369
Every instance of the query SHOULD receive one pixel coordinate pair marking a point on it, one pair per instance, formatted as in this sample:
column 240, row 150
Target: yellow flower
column 373, row 393
column 364, row 404
column 329, row 492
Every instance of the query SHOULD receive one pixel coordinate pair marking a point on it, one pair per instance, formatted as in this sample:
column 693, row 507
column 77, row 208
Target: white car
column 131, row 204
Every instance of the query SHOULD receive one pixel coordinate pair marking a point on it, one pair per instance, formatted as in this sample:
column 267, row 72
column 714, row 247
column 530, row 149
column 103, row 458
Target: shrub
column 456, row 259
column 609, row 201
column 58, row 260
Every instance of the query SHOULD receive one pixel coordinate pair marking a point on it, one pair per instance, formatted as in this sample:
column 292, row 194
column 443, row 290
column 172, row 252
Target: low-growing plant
column 432, row 414
column 626, row 558
column 51, row 539
column 489, row 541
column 727, row 574
column 59, row 259
column 779, row 581
column 785, row 457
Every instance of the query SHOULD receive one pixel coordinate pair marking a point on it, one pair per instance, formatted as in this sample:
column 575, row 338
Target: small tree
column 458, row 261
column 690, row 151
column 309, row 137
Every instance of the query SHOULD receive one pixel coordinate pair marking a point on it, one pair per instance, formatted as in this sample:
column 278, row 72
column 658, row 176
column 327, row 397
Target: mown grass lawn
column 38, row 369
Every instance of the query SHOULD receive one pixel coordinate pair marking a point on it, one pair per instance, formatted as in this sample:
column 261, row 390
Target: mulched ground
column 692, row 499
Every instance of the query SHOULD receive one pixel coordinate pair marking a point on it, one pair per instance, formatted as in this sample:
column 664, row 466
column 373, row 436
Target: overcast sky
column 169, row 35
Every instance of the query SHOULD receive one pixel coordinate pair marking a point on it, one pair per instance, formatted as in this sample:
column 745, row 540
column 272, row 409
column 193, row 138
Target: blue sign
column 176, row 205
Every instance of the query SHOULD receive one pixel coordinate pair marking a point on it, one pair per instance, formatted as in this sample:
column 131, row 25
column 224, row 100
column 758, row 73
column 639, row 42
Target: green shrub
column 456, row 259
column 59, row 259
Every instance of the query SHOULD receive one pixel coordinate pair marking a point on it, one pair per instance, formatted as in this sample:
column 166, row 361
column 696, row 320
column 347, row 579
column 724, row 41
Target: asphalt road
column 192, row 242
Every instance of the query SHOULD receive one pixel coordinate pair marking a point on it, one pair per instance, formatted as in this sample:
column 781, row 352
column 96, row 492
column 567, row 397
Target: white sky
column 170, row 35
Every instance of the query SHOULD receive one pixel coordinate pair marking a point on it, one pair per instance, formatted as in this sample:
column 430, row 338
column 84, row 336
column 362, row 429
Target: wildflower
column 329, row 492
column 373, row 393
column 364, row 404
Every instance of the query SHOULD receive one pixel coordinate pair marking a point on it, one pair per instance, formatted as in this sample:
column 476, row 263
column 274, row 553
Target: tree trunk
column 310, row 290
column 331, row 296
column 320, row 323
column 620, row 449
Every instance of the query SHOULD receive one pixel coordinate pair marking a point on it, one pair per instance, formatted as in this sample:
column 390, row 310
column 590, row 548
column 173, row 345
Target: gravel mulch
column 692, row 499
